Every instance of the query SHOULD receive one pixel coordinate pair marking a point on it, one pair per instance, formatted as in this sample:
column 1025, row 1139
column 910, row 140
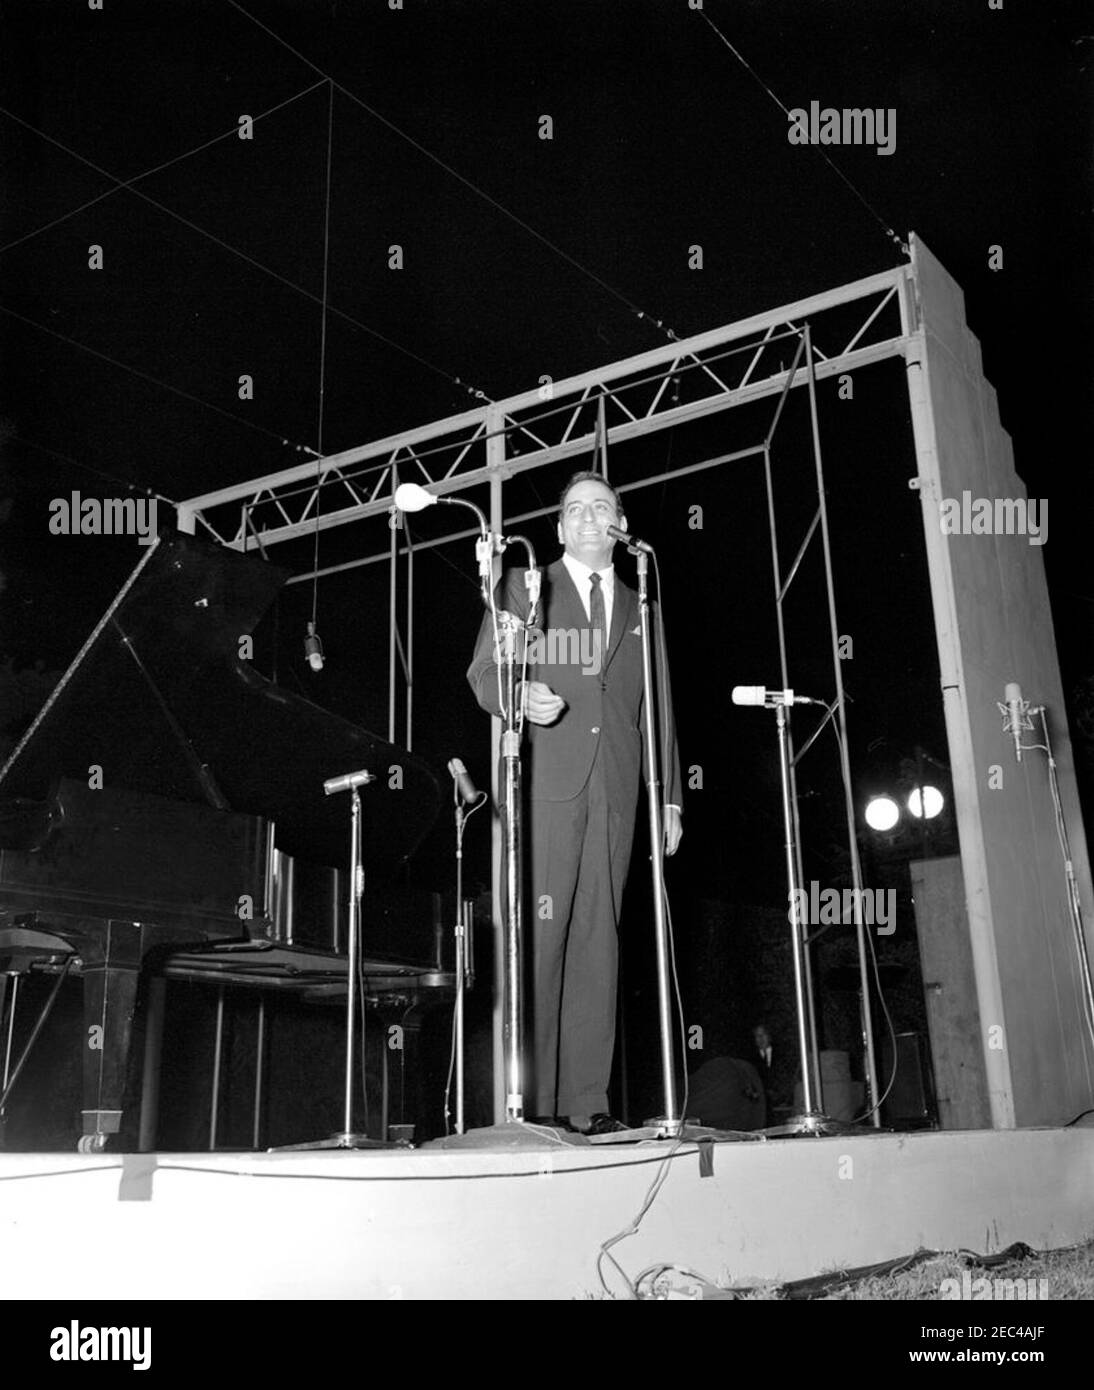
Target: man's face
column 762, row 1039
column 588, row 510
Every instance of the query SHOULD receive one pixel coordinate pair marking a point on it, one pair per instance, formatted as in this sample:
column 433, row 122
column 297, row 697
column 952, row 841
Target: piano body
column 165, row 811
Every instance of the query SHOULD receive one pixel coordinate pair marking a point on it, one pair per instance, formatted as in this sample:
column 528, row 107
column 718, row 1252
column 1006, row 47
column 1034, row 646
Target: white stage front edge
column 520, row 1224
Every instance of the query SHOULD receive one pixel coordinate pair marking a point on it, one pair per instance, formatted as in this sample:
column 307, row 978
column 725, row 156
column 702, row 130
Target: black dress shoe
column 602, row 1123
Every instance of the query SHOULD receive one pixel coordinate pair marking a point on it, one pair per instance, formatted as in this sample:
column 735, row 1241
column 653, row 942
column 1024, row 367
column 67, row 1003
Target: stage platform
column 520, row 1223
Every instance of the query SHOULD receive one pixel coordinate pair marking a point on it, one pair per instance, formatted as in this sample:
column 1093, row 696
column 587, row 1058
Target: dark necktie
column 597, row 618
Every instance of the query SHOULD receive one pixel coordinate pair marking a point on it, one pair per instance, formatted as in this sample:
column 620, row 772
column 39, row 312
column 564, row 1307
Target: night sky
column 525, row 256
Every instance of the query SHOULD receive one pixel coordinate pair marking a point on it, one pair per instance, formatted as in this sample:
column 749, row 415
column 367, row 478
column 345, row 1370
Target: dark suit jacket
column 602, row 709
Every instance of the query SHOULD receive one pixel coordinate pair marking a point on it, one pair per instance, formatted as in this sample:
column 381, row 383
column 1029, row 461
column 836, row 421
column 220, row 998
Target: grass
column 1069, row 1275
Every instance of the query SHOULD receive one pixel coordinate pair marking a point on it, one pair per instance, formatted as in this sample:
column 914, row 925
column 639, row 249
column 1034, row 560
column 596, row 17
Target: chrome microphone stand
column 670, row 1122
column 346, row 1138
column 812, row 1120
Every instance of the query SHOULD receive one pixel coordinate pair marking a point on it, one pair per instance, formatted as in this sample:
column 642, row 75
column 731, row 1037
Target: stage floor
column 520, row 1223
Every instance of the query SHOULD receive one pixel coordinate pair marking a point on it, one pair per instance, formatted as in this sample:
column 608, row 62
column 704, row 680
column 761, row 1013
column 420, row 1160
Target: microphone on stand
column 760, row 695
column 410, row 497
column 347, row 782
column 466, row 788
column 1012, row 712
column 633, row 544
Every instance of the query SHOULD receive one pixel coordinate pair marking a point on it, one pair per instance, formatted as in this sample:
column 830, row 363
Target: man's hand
column 541, row 704
column 673, row 824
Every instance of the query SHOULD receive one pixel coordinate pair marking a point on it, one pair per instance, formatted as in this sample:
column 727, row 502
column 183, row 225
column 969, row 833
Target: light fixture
column 925, row 802
column 882, row 813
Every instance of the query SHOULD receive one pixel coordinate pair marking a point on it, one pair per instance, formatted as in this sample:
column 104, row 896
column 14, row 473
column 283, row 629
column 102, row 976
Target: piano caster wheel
column 91, row 1144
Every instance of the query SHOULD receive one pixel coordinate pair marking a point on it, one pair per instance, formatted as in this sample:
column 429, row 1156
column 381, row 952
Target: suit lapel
column 624, row 615
column 564, row 592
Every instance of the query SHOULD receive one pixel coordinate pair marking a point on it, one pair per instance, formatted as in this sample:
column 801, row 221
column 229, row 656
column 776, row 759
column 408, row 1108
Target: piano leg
column 110, row 1000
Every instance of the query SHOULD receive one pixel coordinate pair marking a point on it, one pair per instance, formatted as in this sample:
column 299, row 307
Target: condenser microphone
column 1013, row 722
column 464, row 784
column 347, row 782
column 631, row 542
column 760, row 695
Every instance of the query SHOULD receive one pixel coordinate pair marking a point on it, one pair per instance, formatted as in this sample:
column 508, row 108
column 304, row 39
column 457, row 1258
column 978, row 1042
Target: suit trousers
column 579, row 855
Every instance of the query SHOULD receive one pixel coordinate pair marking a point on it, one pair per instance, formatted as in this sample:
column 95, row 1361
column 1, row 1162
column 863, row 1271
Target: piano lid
column 159, row 698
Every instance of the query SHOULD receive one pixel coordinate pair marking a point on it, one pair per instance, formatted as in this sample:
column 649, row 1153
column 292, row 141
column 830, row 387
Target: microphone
column 409, row 497
column 631, row 542
column 464, row 784
column 347, row 782
column 760, row 695
column 1012, row 711
column 313, row 649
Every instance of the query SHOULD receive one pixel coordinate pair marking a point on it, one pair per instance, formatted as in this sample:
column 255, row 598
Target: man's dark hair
column 587, row 475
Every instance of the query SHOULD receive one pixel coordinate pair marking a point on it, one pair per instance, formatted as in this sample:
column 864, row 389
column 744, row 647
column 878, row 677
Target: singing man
column 584, row 761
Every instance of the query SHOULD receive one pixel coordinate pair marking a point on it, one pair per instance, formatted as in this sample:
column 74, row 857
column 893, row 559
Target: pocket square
column 636, row 631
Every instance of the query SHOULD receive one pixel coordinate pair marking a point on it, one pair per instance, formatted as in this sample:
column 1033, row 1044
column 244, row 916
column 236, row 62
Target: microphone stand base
column 511, row 1134
column 815, row 1124
column 339, row 1141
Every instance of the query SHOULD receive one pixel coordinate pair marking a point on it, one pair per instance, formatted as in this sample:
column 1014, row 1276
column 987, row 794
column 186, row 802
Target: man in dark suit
column 584, row 763
column 771, row 1063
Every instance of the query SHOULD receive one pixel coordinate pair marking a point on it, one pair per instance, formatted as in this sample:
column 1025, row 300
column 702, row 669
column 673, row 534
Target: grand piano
column 165, row 812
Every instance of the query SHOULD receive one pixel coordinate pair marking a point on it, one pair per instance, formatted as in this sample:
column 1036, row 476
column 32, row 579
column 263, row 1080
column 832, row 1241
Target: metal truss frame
column 726, row 367
column 656, row 390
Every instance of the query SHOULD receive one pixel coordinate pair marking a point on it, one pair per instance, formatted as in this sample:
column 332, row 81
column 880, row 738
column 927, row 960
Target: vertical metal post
column 796, row 925
column 392, row 616
column 845, row 762
column 784, row 667
column 409, row 638
column 495, row 458
column 355, row 890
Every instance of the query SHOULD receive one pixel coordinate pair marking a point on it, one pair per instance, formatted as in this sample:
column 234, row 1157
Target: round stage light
column 882, row 813
column 926, row 801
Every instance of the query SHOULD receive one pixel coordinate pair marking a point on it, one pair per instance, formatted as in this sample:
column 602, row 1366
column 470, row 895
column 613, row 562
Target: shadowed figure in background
column 584, row 763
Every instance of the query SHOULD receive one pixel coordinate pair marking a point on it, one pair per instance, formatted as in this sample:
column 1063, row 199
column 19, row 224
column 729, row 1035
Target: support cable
column 892, row 236
column 479, row 192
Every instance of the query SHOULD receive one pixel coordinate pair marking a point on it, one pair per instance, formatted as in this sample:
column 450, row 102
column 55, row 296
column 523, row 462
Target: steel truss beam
column 656, row 390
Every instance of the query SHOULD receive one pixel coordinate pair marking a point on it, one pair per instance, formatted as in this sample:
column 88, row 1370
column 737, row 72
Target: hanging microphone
column 760, row 695
column 313, row 649
column 464, row 784
column 631, row 542
column 347, row 782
